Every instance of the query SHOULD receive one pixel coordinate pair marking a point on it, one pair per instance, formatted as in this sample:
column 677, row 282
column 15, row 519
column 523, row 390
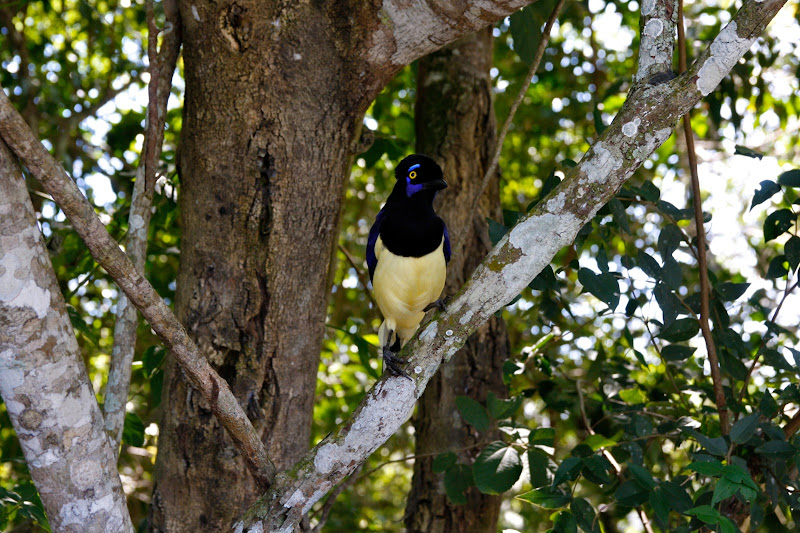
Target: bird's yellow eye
column 412, row 174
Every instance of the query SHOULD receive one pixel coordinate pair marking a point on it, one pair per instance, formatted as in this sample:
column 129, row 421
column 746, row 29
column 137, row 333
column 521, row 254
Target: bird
column 408, row 249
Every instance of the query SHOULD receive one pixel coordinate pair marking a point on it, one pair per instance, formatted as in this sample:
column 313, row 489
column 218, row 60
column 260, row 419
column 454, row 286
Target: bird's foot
column 440, row 304
column 391, row 363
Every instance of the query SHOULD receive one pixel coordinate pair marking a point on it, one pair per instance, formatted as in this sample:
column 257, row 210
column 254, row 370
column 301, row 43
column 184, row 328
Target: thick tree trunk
column 456, row 126
column 43, row 381
column 267, row 127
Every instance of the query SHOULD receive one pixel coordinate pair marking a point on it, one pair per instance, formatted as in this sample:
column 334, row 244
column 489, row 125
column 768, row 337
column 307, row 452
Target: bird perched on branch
column 407, row 254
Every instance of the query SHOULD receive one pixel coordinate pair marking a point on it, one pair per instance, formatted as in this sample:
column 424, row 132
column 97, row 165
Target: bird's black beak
column 435, row 185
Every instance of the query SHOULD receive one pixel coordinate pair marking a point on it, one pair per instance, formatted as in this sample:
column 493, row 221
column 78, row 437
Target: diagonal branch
column 646, row 120
column 107, row 253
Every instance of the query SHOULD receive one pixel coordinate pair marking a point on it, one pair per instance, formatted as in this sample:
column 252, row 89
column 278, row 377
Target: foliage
column 610, row 410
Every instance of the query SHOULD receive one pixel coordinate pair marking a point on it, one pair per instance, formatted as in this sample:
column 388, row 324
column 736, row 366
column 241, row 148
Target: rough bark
column 274, row 98
column 43, row 381
column 646, row 120
column 456, row 125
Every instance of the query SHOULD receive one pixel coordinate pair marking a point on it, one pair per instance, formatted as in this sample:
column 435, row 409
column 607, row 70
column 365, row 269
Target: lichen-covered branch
column 107, row 253
column 646, row 120
column 409, row 30
column 657, row 43
column 119, row 375
column 43, row 380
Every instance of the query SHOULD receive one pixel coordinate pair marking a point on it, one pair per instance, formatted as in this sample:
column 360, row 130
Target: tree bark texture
column 274, row 97
column 456, row 126
column 43, row 380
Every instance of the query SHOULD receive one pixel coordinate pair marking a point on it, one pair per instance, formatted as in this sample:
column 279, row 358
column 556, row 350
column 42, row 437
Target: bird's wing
column 374, row 233
column 446, row 243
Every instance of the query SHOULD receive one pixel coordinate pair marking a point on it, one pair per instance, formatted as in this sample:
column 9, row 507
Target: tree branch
column 162, row 67
column 43, row 380
column 646, row 120
column 702, row 261
column 107, row 253
column 657, row 30
column 410, row 30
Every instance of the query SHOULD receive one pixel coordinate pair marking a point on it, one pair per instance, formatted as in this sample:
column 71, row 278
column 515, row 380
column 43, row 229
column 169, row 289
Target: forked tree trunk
column 260, row 199
column 456, row 126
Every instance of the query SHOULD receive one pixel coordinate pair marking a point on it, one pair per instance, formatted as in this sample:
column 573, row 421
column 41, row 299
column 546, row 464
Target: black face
column 419, row 172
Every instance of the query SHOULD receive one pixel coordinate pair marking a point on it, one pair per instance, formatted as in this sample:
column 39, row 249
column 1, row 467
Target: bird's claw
column 391, row 363
column 440, row 304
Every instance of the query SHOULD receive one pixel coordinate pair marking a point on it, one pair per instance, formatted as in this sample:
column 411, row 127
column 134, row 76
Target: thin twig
column 617, row 467
column 359, row 273
column 786, row 292
column 517, row 101
column 705, row 290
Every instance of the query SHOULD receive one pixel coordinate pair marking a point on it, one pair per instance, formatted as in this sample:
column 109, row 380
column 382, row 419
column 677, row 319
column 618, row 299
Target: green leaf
column 668, row 240
column 778, row 449
column 618, row 213
column 526, row 30
column 727, row 526
column 775, row 359
column 729, row 292
column 152, row 359
column 681, row 330
column 80, row 325
column 500, row 409
column 603, row 286
column 706, row 468
column 632, row 396
column 597, row 441
column 443, row 461
column 365, row 350
column 723, row 490
column 542, row 437
column 744, row 429
column 649, row 191
column 792, row 251
column 642, row 476
column 547, row 498
column 749, row 152
column 473, row 412
column 777, row 267
column 677, row 352
column 496, row 468
column 715, row 446
column 133, row 430
column 545, row 280
column 768, row 406
column 706, row 513
column 156, row 385
column 496, row 231
column 595, row 469
column 458, row 479
column 790, row 178
column 648, row 264
column 537, row 463
column 568, row 470
column 631, row 494
column 584, row 515
column 565, row 523
column 660, row 505
column 676, row 495
column 767, row 189
column 777, row 223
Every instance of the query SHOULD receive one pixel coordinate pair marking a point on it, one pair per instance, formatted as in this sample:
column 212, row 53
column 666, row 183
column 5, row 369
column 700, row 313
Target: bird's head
column 419, row 173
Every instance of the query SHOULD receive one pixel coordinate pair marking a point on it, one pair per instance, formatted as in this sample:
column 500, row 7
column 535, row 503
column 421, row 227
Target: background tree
column 563, row 409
